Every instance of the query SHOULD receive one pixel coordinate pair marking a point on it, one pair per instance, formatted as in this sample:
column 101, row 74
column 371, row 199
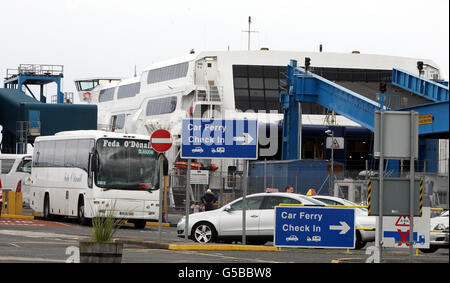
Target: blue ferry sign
column 323, row 227
column 207, row 139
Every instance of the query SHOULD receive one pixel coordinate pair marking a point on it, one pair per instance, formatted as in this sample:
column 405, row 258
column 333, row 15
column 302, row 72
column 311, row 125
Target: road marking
column 29, row 259
column 32, row 234
column 33, row 223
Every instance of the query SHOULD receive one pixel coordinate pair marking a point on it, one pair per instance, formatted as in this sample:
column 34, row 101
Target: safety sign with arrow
column 318, row 227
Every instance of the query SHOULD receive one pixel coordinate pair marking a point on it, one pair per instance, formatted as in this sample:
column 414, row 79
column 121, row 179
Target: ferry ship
column 237, row 84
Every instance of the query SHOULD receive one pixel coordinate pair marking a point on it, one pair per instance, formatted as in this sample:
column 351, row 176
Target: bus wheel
column 47, row 214
column 140, row 224
column 83, row 220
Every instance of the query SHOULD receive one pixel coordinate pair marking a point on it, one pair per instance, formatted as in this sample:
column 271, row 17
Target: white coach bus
column 79, row 173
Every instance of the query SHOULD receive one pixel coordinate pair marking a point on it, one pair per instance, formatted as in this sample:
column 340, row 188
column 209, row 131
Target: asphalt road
column 33, row 241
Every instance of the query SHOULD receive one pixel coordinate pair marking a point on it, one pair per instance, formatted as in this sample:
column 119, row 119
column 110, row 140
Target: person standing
column 208, row 200
column 289, row 189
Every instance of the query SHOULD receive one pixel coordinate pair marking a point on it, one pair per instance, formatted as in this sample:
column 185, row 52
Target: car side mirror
column 227, row 208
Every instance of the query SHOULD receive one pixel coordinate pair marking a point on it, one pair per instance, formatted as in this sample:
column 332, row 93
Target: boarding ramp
column 423, row 87
column 305, row 86
column 23, row 118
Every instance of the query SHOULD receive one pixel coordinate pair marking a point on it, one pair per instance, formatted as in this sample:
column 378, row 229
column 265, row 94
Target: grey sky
column 109, row 37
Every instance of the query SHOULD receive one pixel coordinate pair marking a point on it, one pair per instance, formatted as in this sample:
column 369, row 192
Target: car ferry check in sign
column 205, row 138
column 314, row 227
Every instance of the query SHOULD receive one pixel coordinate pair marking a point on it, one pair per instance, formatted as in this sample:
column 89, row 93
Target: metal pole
column 411, row 187
column 161, row 194
column 244, row 202
column 265, row 174
column 299, row 143
column 332, row 163
column 187, row 206
column 249, row 22
column 380, row 200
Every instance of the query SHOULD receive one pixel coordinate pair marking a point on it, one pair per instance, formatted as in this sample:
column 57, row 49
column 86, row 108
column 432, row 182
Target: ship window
column 86, row 85
column 258, row 88
column 128, row 90
column 106, row 94
column 161, row 106
column 118, row 121
column 167, row 73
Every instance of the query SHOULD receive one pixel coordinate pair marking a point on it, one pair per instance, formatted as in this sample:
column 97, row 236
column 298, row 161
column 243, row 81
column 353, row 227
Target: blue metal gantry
column 33, row 74
column 434, row 91
column 307, row 87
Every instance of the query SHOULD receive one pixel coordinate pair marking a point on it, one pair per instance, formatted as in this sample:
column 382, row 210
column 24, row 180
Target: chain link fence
column 350, row 182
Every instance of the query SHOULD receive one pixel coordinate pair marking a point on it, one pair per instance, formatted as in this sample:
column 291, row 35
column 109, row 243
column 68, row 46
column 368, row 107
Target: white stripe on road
column 31, row 234
column 29, row 259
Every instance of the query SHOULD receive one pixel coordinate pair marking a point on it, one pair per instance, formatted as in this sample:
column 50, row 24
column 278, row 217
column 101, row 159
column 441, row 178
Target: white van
column 15, row 168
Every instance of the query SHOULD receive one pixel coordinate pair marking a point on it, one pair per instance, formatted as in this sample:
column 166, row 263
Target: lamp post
column 331, row 134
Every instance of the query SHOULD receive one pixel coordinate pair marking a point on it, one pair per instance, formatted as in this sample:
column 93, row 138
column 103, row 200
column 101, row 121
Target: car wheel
column 359, row 244
column 430, row 250
column 204, row 233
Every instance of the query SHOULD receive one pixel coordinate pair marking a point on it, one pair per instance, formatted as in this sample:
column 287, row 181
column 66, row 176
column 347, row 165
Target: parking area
column 36, row 240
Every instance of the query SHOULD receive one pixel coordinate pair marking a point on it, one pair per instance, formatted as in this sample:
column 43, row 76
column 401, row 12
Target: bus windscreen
column 127, row 164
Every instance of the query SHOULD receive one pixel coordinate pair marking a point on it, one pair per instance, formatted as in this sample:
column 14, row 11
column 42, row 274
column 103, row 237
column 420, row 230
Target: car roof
column 303, row 198
column 330, row 198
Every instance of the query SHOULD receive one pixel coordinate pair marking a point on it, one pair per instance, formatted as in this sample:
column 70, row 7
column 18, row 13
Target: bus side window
column 36, row 154
column 83, row 150
column 59, row 153
column 71, row 153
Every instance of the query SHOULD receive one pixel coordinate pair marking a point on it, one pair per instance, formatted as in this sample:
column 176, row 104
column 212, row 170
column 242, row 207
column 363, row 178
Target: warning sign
column 402, row 221
column 335, row 143
column 425, row 119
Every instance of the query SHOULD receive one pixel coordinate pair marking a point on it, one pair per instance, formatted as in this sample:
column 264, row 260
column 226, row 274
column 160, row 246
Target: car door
column 267, row 213
column 230, row 223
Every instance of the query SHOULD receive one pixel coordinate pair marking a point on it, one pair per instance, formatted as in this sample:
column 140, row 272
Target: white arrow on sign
column 343, row 227
column 247, row 139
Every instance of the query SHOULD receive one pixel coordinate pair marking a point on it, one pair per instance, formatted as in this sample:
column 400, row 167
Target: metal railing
column 36, row 70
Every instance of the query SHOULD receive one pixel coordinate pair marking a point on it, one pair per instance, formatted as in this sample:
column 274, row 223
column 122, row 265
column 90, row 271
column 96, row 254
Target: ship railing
column 208, row 93
column 36, row 70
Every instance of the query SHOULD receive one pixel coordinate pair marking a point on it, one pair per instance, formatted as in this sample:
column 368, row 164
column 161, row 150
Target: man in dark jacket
column 208, row 200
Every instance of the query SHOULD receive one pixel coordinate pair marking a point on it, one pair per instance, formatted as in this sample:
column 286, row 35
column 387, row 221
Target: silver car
column 439, row 233
column 225, row 224
column 365, row 223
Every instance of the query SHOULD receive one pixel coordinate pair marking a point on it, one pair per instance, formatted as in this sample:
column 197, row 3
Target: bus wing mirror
column 94, row 162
